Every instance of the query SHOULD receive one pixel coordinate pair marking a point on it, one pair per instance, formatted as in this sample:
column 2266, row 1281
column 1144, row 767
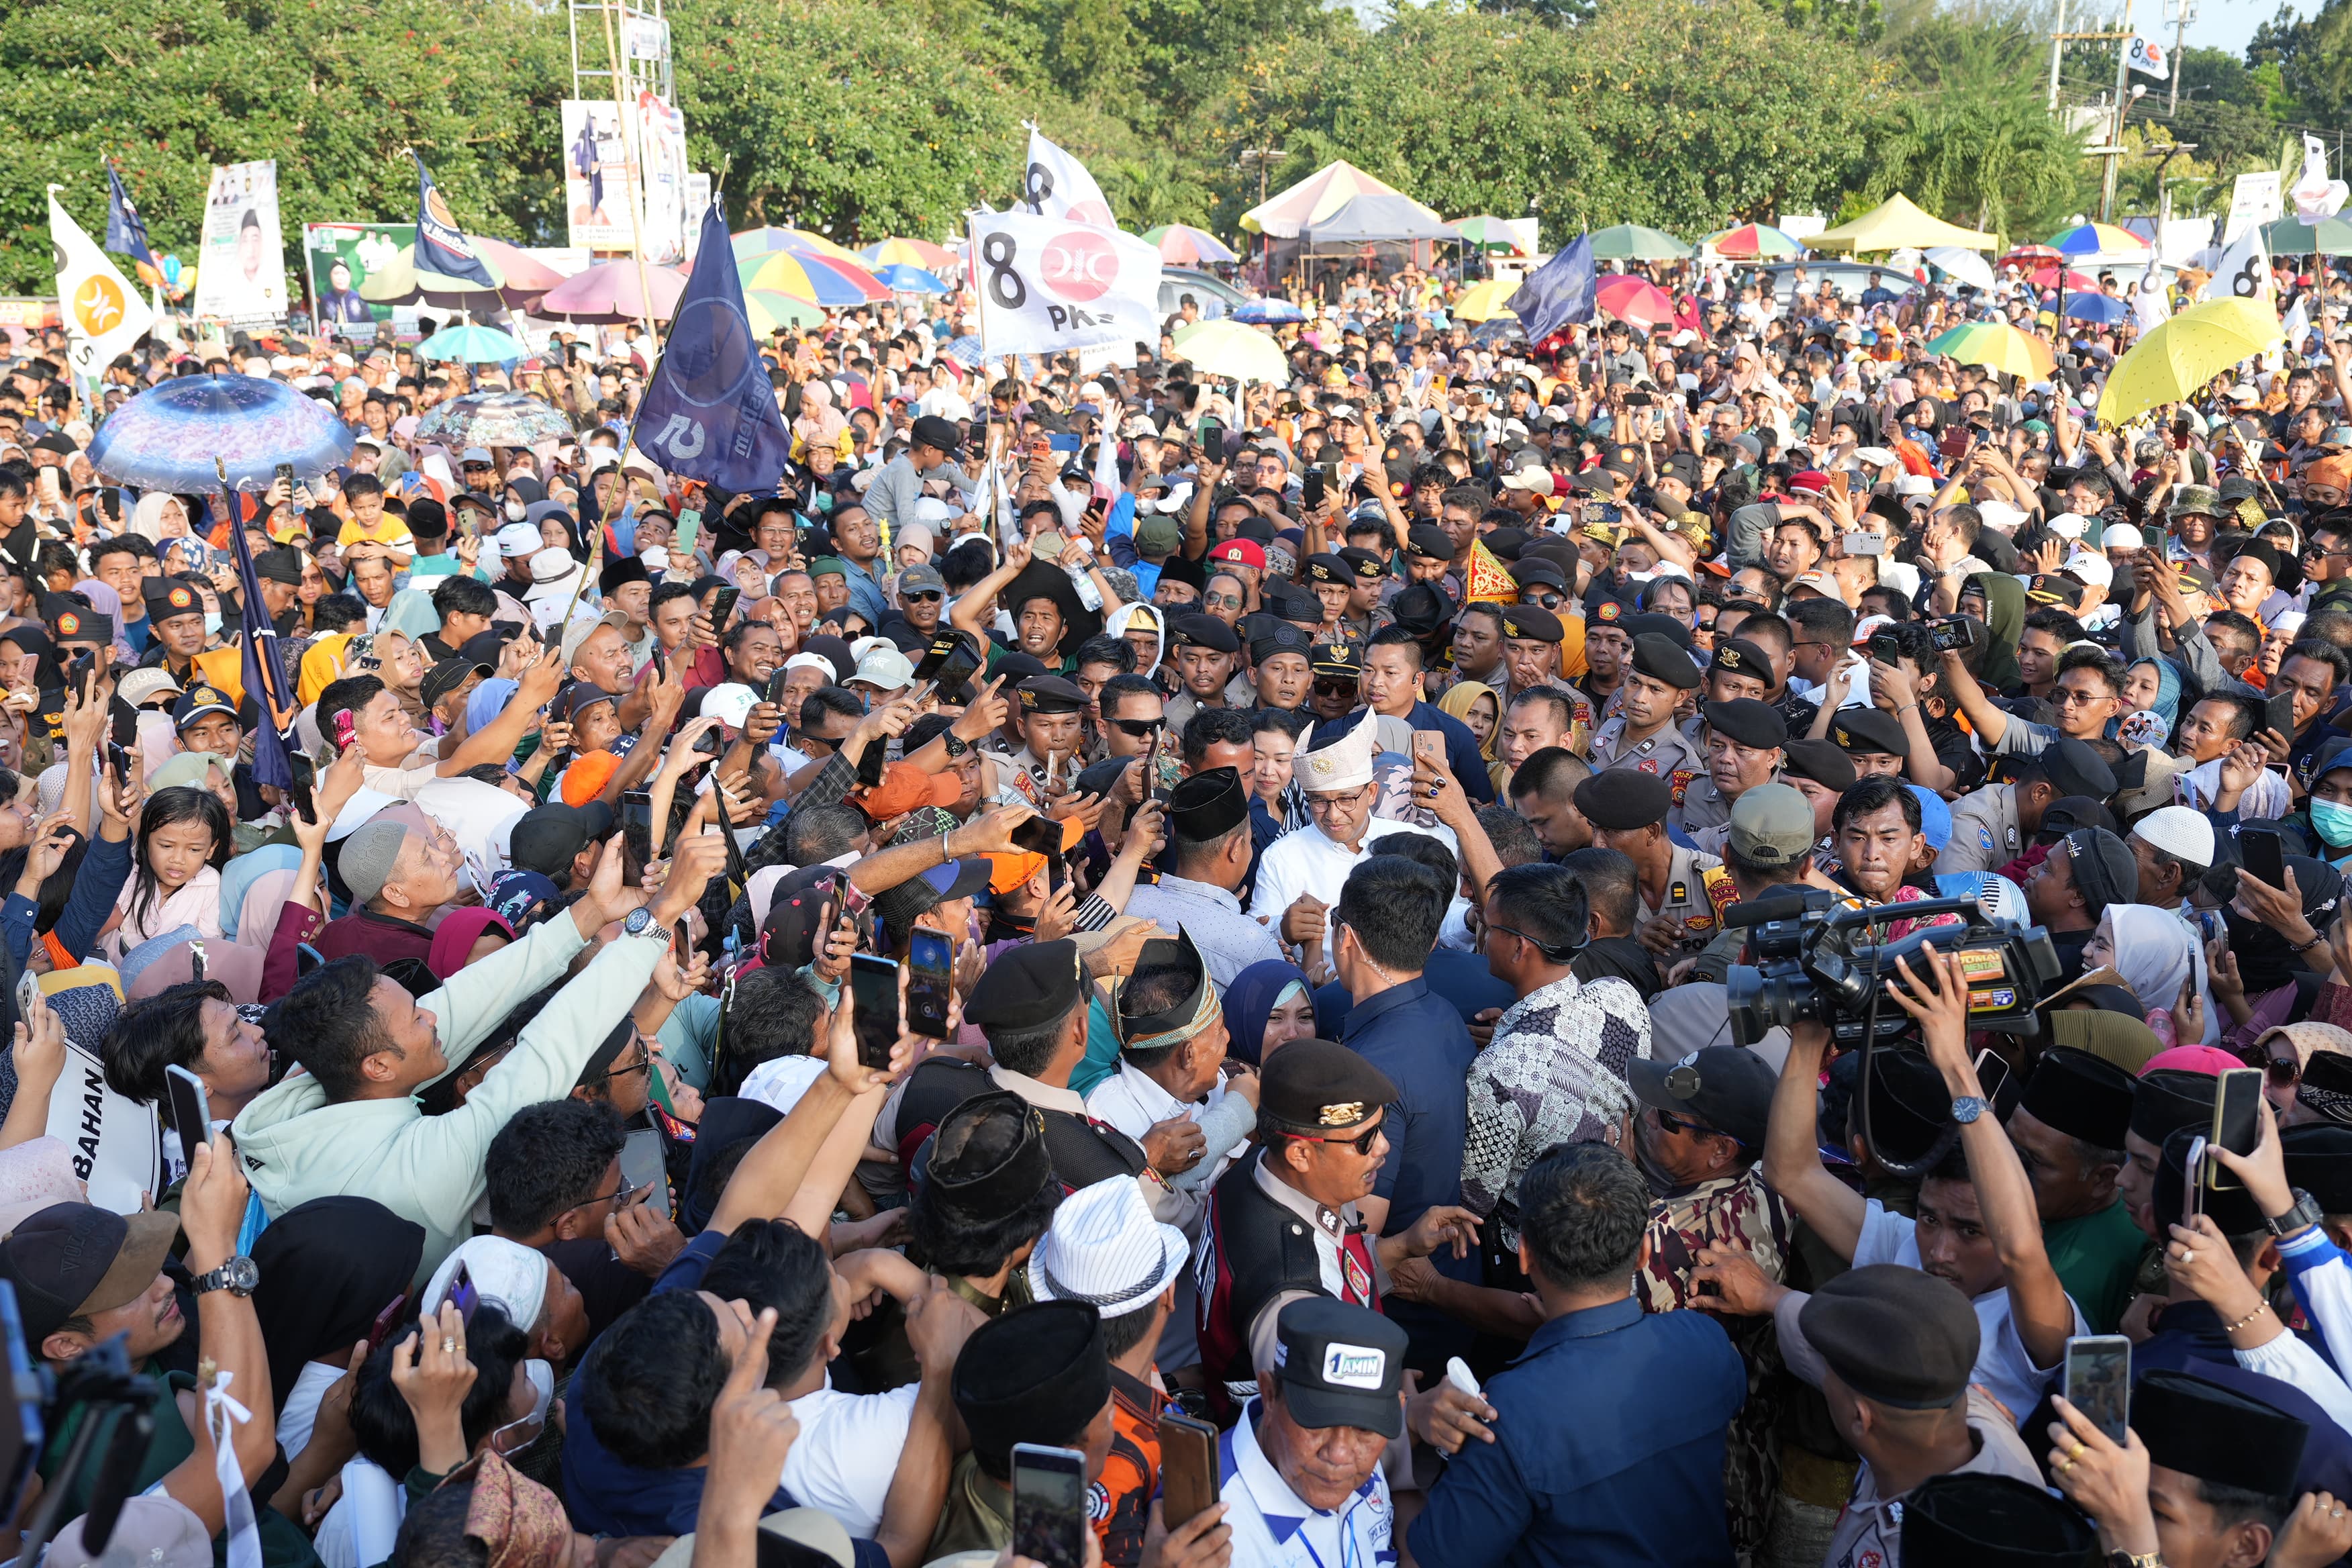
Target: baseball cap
column 474, row 455
column 195, row 704
column 1729, row 1087
column 138, row 686
column 1771, row 824
column 730, row 702
column 76, row 1260
column 885, row 668
column 1340, row 1365
column 519, row 539
column 546, row 837
column 446, row 677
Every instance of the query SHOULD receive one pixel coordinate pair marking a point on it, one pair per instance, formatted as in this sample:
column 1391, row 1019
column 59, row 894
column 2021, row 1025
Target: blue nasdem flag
column 441, row 246
column 1557, row 294
column 264, row 671
column 710, row 411
column 126, row 231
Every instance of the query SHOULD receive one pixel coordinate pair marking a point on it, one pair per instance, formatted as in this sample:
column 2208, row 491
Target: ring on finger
column 2079, row 1448
column 448, row 1344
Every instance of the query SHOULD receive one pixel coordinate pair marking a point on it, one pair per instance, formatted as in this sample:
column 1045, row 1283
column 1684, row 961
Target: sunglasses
column 1361, row 1142
column 1673, row 1123
column 1139, row 728
column 925, row 595
column 2284, row 1070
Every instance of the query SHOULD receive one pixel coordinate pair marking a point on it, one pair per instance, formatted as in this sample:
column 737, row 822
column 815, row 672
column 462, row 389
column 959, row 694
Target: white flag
column 2150, row 306
column 2297, row 327
column 104, row 314
column 1049, row 285
column 1057, row 185
column 2145, row 56
column 2243, row 271
column 2314, row 195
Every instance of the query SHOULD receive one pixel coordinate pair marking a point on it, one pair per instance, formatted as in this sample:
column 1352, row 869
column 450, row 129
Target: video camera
column 117, row 1423
column 1815, row 962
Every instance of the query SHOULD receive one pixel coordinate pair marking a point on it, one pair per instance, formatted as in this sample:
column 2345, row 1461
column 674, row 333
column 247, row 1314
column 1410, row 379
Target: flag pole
column 634, row 171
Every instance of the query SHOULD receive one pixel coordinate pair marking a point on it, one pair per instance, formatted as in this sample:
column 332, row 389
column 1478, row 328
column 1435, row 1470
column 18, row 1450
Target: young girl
column 183, row 839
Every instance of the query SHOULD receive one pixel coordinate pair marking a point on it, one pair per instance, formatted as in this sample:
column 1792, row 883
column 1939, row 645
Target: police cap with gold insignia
column 1752, row 723
column 197, row 702
column 1621, row 799
column 1281, row 636
column 1329, row 568
column 1367, row 566
column 1321, row 1087
column 1429, row 542
column 1336, row 660
column 1033, row 983
column 1051, row 694
column 1738, row 657
column 169, row 598
column 1860, row 732
column 1531, row 623
column 1658, row 657
column 1202, row 631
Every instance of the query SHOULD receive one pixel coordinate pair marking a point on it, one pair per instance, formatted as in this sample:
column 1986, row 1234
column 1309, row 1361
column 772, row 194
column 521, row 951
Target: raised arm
column 1989, row 722
column 1792, row 1155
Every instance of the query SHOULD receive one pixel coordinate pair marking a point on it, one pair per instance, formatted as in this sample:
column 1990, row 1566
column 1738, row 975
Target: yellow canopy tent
column 1895, row 224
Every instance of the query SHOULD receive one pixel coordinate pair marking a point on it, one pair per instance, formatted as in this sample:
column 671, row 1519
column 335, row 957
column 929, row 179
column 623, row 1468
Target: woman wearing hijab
column 36, row 688
column 1995, row 663
column 1269, row 1003
column 465, row 935
column 2150, row 686
column 2163, row 964
column 1477, row 706
column 329, row 1267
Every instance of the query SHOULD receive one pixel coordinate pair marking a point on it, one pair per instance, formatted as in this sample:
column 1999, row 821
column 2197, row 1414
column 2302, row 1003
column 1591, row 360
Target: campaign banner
column 2255, row 199
column 104, row 313
column 339, row 259
column 241, row 274
column 1049, row 285
column 661, row 145
column 114, row 1143
column 596, row 174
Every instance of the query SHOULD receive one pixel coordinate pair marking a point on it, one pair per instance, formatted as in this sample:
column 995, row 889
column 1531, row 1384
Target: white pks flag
column 1054, row 184
column 104, row 314
column 1048, row 285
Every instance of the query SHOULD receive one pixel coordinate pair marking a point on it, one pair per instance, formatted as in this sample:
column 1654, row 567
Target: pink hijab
column 265, row 900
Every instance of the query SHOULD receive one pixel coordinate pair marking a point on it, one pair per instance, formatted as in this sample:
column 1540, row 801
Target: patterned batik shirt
column 1554, row 1074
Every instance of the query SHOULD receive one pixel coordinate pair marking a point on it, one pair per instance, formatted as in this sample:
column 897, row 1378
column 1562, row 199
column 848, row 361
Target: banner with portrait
column 661, row 145
column 241, row 275
column 596, row 174
column 340, row 258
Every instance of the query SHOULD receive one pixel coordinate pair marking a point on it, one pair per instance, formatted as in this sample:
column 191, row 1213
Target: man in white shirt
column 1300, row 874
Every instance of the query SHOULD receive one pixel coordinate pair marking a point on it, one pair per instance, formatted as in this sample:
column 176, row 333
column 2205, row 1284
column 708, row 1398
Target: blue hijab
column 1249, row 1002
column 2167, row 705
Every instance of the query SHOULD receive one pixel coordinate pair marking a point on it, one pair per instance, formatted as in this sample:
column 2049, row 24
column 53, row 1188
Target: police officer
column 1628, row 810
column 1872, row 739
column 1338, row 670
column 1211, row 638
column 1053, row 729
column 1995, row 825
column 1641, row 735
column 1744, row 739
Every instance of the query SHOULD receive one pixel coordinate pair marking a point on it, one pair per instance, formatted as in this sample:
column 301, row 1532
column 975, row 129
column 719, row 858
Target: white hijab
column 2156, row 951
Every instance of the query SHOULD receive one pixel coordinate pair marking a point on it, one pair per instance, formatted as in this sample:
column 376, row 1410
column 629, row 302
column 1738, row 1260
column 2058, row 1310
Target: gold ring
column 2061, row 1464
column 2076, row 1451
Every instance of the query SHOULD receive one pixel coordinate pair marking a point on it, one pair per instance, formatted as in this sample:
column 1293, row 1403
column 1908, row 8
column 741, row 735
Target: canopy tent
column 1287, row 213
column 1373, row 218
column 1895, row 224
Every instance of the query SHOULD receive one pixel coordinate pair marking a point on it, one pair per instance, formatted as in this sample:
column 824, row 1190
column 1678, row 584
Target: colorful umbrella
column 769, row 311
column 397, row 282
column 493, row 419
column 2030, row 255
column 901, row 279
column 167, row 437
column 1181, row 245
column 823, row 280
column 1484, row 301
column 1267, row 312
column 1636, row 302
column 2171, row 362
column 919, row 253
column 470, row 344
column 1632, row 242
column 2095, row 238
column 1491, row 234
column 764, row 241
column 1996, row 346
column 1962, row 265
column 1753, row 242
column 1232, row 351
column 611, row 293
column 2308, row 237
column 2064, row 277
column 2104, row 309
column 1497, row 330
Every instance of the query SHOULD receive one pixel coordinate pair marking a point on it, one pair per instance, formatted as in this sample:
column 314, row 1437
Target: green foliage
column 1850, row 21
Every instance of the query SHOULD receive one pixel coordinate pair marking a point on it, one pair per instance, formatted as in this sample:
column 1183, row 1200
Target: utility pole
column 2057, row 49
column 2183, row 13
column 2115, row 150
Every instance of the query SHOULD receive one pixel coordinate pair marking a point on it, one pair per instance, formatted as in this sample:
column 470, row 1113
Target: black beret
column 1666, row 626
column 2232, row 1209
column 1749, row 722
column 1868, row 729
column 1033, row 983
column 2319, row 1160
column 2080, row 1095
column 1013, row 664
column 1322, row 1085
column 1741, row 658
column 1536, row 571
column 1532, row 623
column 1970, row 1520
column 2215, row 1434
column 1038, row 1375
column 2170, row 1098
column 988, row 1158
column 1423, row 609
column 1661, row 659
column 1051, row 694
column 1505, row 544
column 1208, row 806
column 1621, row 799
column 1893, row 1334
column 169, row 597
column 2073, row 768
column 280, row 565
column 1329, row 568
column 1429, row 542
column 1206, row 631
column 1821, row 761
column 1367, row 566
column 619, row 571
column 1287, row 602
column 1281, row 636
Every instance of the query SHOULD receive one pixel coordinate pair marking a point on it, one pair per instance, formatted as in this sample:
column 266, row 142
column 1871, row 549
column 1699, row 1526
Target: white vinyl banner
column 114, row 1142
column 1056, row 185
column 1048, row 285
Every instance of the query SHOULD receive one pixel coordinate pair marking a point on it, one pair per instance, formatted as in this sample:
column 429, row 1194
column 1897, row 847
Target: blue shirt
column 1609, row 1449
column 1461, row 980
column 1460, row 746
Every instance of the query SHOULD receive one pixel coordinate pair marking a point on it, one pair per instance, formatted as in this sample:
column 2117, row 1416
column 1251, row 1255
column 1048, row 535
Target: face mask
column 2332, row 821
column 542, row 1387
column 515, row 508
column 212, row 623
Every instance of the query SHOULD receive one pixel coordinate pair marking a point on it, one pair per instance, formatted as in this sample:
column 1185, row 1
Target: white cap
column 2122, row 536
column 1999, row 515
column 2070, row 525
column 516, row 539
column 1345, row 763
column 885, row 669
column 1873, row 456
column 553, row 564
column 729, row 702
column 506, row 1272
column 1915, row 485
column 2090, row 566
column 2287, row 624
column 1105, row 1249
column 816, row 661
column 2180, row 831
column 1863, row 628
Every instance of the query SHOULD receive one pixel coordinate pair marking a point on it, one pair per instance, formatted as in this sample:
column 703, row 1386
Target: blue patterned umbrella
column 901, row 279
column 493, row 420
column 964, row 351
column 1267, row 313
column 472, row 344
column 168, row 437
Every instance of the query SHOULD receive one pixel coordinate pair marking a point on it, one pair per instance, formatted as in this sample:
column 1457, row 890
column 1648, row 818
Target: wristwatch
column 2134, row 1559
column 955, row 744
column 2305, row 1213
column 1967, row 1108
column 238, row 1275
column 641, row 924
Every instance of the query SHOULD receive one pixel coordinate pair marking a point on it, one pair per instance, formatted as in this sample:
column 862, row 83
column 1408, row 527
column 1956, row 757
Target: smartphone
column 1639, row 400
column 774, row 696
column 305, row 780
column 2261, row 853
column 286, row 479
column 2098, row 1381
column 346, row 729
column 1050, row 1524
column 387, row 1320
column 644, row 1163
column 463, row 1293
column 1954, row 442
column 1843, row 479
column 1188, row 1468
column 192, row 1108
column 119, row 761
column 637, row 811
column 1992, row 1074
column 2237, row 1123
column 930, row 988
column 1954, row 635
column 722, row 607
column 2278, row 713
column 78, row 672
column 1864, row 544
column 1429, row 747
column 1310, row 491
column 955, row 673
column 1213, row 439
column 874, row 984
column 1884, row 647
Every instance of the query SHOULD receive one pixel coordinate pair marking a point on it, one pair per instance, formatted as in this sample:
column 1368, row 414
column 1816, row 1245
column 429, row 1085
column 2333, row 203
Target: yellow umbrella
column 1232, row 351
column 1484, row 301
column 2171, row 362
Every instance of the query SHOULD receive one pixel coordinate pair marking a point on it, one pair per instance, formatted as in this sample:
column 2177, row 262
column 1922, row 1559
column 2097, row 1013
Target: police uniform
column 1669, row 753
column 1697, row 887
column 1202, row 631
column 1043, row 694
column 1754, row 724
column 1985, row 832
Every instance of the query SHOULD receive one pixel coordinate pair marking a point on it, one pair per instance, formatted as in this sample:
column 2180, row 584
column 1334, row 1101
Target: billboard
column 241, row 274
column 661, row 141
column 595, row 175
column 340, row 258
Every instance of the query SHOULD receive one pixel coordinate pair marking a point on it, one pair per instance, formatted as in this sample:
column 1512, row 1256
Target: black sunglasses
column 1139, row 727
column 1361, row 1142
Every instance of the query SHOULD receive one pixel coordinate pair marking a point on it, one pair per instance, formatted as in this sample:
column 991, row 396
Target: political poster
column 1056, row 185
column 2255, row 199
column 661, row 143
column 340, row 258
column 1049, row 285
column 596, row 175
column 241, row 276
column 111, row 1141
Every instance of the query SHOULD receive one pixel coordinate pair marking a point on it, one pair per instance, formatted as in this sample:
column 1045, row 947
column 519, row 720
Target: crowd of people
column 1114, row 932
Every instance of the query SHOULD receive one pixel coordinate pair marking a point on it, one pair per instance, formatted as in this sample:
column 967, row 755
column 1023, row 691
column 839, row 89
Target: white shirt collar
column 1044, row 1096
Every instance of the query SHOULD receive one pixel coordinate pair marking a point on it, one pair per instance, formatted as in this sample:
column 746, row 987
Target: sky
column 2230, row 24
